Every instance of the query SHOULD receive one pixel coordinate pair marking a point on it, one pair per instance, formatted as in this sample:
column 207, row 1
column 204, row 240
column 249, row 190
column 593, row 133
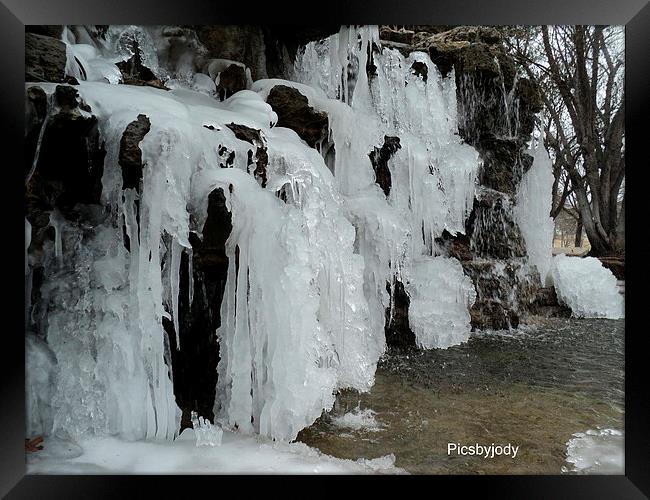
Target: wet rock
column 505, row 290
column 491, row 227
column 294, row 112
column 231, row 80
column 70, row 164
column 492, row 315
column 504, row 163
column 399, row 35
column 545, row 303
column 45, row 58
column 130, row 155
column 379, row 158
column 71, row 156
column 397, row 329
column 456, row 246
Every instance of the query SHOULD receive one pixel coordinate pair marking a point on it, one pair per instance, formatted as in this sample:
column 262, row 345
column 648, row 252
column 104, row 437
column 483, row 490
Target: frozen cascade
column 433, row 174
column 303, row 308
column 532, row 212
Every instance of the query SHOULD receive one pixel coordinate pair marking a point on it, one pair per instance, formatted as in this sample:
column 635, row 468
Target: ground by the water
column 534, row 388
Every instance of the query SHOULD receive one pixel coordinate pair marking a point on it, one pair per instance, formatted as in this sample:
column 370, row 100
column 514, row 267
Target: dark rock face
column 268, row 50
column 546, row 304
column 294, row 112
column 504, row 163
column 492, row 230
column 71, row 158
column 242, row 43
column 504, row 290
column 259, row 157
column 130, row 156
column 195, row 363
column 457, row 246
column 379, row 158
column 231, row 80
column 420, row 69
column 397, row 329
column 45, row 58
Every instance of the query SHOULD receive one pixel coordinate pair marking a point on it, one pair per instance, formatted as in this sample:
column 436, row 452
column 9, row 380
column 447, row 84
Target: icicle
column 175, row 271
column 190, row 274
column 41, row 133
column 56, row 222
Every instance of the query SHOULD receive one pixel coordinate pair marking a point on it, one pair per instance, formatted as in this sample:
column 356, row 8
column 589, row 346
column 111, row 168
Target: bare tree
column 580, row 71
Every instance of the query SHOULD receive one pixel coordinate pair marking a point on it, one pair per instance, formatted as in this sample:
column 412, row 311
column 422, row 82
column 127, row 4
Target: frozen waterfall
column 315, row 238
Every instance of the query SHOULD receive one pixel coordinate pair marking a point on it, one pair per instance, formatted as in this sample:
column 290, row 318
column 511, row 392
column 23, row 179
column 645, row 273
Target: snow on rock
column 441, row 296
column 599, row 451
column 238, row 454
column 532, row 212
column 587, row 287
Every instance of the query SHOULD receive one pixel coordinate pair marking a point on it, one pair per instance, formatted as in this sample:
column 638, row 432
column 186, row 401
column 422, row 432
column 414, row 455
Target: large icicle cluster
column 432, row 173
column 314, row 242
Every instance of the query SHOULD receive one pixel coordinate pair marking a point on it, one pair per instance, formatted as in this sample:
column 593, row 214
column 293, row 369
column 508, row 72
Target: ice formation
column 441, row 296
column 238, row 454
column 599, row 451
column 359, row 420
column 206, row 434
column 587, row 287
column 532, row 212
column 312, row 248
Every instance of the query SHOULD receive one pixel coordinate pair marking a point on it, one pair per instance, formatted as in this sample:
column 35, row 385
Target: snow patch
column 237, row 454
column 587, row 287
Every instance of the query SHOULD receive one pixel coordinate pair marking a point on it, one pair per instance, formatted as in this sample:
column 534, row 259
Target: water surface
column 534, row 387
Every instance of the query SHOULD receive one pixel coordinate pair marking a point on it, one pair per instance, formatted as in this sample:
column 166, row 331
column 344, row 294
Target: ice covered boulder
column 441, row 296
column 587, row 287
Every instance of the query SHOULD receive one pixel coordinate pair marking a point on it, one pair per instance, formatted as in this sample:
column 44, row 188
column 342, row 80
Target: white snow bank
column 587, row 287
column 237, row 454
column 358, row 420
column 441, row 296
column 597, row 452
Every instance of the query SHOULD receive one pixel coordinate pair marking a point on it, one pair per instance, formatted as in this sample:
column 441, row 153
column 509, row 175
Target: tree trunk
column 578, row 240
column 620, row 229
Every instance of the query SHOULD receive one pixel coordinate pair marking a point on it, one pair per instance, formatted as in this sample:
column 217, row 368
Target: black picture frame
column 634, row 14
